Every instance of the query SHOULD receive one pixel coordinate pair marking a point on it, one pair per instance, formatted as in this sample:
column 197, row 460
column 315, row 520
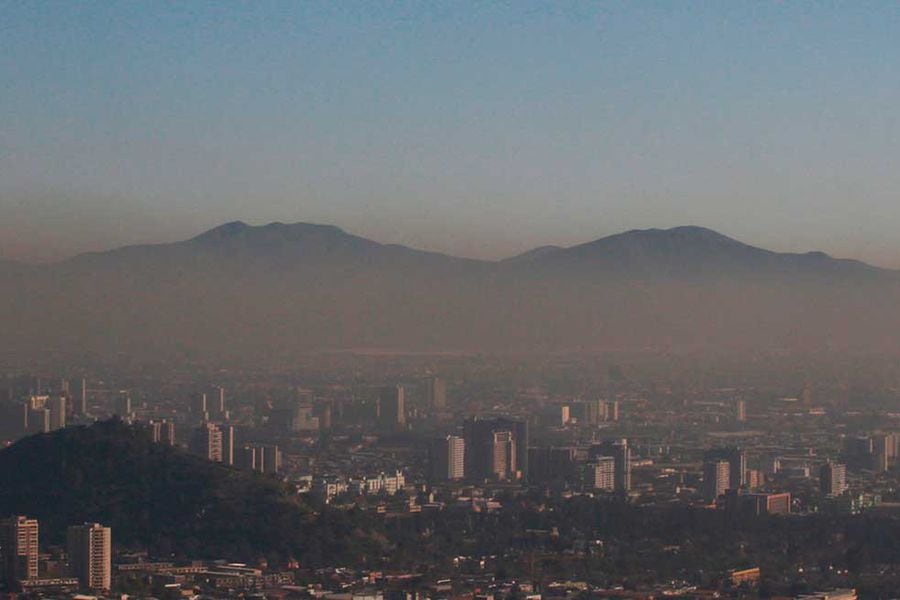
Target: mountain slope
column 237, row 245
column 245, row 294
column 692, row 251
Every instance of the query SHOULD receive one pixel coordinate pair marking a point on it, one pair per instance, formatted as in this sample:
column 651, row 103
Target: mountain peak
column 241, row 230
column 682, row 233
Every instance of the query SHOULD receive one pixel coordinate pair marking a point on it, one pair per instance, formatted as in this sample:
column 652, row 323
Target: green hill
column 162, row 499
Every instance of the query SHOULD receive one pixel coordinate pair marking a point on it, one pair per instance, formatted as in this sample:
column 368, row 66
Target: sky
column 480, row 129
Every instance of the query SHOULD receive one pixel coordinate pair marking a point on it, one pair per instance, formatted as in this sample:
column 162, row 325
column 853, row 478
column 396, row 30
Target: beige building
column 90, row 555
column 19, row 548
column 207, row 442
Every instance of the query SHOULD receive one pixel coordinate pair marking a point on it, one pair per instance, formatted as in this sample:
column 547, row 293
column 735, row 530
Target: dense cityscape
column 501, row 478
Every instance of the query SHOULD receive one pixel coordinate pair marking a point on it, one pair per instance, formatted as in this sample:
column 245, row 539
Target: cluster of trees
column 163, row 499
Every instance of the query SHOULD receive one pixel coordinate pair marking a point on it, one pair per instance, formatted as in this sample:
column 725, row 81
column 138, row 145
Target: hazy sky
column 480, row 129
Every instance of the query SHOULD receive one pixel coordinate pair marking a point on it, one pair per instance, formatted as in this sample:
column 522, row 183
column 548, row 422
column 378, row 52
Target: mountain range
column 266, row 293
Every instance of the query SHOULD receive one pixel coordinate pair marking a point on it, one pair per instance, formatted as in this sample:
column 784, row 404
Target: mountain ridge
column 235, row 231
column 244, row 293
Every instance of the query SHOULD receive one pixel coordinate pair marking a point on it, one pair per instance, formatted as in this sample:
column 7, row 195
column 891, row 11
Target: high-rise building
column 207, row 442
column 880, row 461
column 612, row 410
column 19, row 549
column 892, row 441
column 37, row 420
column 217, row 400
column 264, row 458
column 447, row 458
column 391, row 407
column 200, row 407
column 37, row 402
column 228, row 447
column 584, row 413
column 621, row 454
column 163, row 432
column 436, row 393
column 833, row 479
column 57, row 406
column 90, row 555
column 83, row 398
column 716, row 478
column 768, row 504
column 481, row 447
column 737, row 461
column 122, row 407
column 271, row 459
column 755, row 479
column 503, row 455
column 245, row 457
column 740, row 410
column 602, row 473
column 22, row 417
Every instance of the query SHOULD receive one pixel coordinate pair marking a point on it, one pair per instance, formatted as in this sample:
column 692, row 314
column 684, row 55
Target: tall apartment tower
column 448, row 458
column 737, row 461
column 218, row 400
column 200, row 407
column 833, row 479
column 391, row 407
column 481, row 448
column 90, row 555
column 264, row 458
column 57, row 406
column 37, row 420
column 19, row 549
column 740, row 410
column 880, row 461
column 621, row 455
column 602, row 473
column 227, row 444
column 716, row 478
column 123, row 406
column 163, row 432
column 503, row 455
column 207, row 442
column 436, row 393
column 612, row 410
column 271, row 461
column 82, row 400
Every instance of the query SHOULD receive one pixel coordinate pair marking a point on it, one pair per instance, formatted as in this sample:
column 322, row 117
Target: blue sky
column 481, row 129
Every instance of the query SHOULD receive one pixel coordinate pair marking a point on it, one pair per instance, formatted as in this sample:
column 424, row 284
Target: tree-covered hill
column 158, row 497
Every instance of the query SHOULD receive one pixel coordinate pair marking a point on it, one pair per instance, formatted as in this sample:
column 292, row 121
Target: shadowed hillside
column 158, row 497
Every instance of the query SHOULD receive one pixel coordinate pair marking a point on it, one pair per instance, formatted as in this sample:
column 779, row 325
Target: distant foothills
column 253, row 294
